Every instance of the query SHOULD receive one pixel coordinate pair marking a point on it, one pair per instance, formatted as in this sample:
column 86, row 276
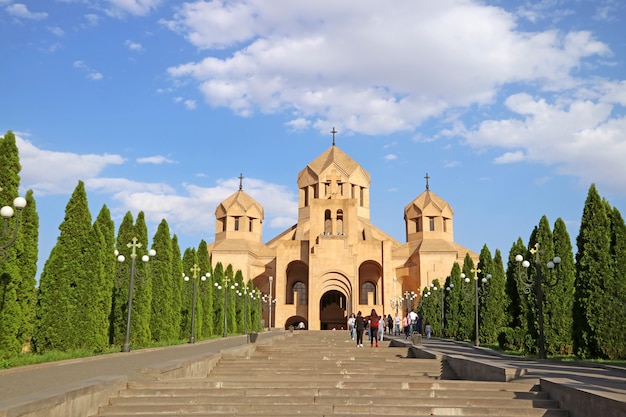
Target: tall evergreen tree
column 142, row 303
column 163, row 321
column 467, row 318
column 105, row 224
column 177, row 287
column 125, row 235
column 231, row 304
column 66, row 279
column 453, row 303
column 206, row 290
column 189, row 259
column 492, row 315
column 614, row 346
column 593, row 266
column 218, row 297
column 12, row 284
column 560, row 301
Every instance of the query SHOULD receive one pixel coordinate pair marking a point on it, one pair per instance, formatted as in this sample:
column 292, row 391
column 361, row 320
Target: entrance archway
column 333, row 305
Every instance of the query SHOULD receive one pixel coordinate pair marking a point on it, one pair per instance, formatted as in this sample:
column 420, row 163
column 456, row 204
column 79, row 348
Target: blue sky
column 512, row 107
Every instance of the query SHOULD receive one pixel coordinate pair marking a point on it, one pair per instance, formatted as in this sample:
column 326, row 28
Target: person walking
column 428, row 330
column 381, row 328
column 351, row 323
column 389, row 324
column 359, row 325
column 374, row 328
column 397, row 322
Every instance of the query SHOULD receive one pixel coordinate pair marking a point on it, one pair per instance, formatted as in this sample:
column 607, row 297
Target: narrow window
column 236, row 223
column 432, row 223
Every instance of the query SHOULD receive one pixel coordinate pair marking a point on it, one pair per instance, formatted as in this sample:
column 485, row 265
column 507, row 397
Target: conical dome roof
column 429, row 203
column 333, row 158
column 239, row 204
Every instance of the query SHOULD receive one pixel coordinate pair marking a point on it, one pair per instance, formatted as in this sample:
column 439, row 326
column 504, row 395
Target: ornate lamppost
column 269, row 324
column 448, row 289
column 225, row 287
column 528, row 283
column 194, row 277
column 133, row 245
column 396, row 301
column 478, row 292
column 410, row 296
column 6, row 213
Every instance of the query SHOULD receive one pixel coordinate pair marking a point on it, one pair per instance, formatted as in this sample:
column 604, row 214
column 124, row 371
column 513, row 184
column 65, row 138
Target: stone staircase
column 323, row 373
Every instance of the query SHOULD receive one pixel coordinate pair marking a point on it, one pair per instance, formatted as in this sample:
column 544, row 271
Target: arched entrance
column 333, row 306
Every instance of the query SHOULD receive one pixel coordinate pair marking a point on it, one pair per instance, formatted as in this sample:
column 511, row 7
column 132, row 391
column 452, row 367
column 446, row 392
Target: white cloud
column 20, row 11
column 49, row 172
column 373, row 70
column 391, row 157
column 56, row 31
column 190, row 104
column 156, row 159
column 582, row 138
column 133, row 46
column 91, row 73
column 121, row 8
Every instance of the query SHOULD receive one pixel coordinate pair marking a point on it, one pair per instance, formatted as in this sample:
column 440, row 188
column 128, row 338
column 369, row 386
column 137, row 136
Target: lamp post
column 259, row 297
column 477, row 294
column 396, row 302
column 133, row 245
column 194, row 277
column 6, row 213
column 219, row 287
column 448, row 289
column 528, row 283
column 269, row 324
column 410, row 296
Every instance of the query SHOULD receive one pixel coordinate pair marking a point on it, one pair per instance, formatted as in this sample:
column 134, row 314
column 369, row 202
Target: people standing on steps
column 374, row 328
column 381, row 328
column 351, row 322
column 397, row 321
column 389, row 324
column 428, row 329
column 359, row 325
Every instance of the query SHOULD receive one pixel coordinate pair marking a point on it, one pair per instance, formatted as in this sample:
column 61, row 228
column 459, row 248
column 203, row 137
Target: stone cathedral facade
column 334, row 261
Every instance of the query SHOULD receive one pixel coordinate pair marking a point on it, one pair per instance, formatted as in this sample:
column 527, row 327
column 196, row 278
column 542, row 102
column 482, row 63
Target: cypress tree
column 18, row 261
column 452, row 306
column 614, row 346
column 125, row 235
column 593, row 266
column 142, row 302
column 177, row 288
column 163, row 322
column 231, row 304
column 189, row 259
column 467, row 319
column 66, row 279
column 238, row 301
column 492, row 315
column 560, row 301
column 206, row 290
column 514, row 334
column 218, row 298
column 105, row 224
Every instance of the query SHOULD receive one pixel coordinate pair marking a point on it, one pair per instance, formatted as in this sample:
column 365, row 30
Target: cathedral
column 334, row 262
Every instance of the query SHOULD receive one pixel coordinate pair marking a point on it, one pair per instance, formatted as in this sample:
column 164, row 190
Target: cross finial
column 133, row 244
column 241, row 177
column 333, row 132
column 195, row 269
column 427, row 178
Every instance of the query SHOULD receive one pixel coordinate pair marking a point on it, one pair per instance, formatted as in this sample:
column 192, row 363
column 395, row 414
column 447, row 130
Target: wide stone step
column 323, row 374
column 332, row 392
column 286, row 408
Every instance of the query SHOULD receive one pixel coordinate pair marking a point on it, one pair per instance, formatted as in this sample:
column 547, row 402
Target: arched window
column 367, row 288
column 328, row 223
column 340, row 222
column 300, row 288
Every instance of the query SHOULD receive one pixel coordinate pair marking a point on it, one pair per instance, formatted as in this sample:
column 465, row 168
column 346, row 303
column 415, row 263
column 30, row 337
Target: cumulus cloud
column 121, row 8
column 133, row 46
column 49, row 172
column 583, row 138
column 373, row 70
column 20, row 11
column 156, row 159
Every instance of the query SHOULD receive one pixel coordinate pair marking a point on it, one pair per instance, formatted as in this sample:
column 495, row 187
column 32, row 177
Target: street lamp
column 133, row 245
column 269, row 324
column 537, row 282
column 448, row 289
column 219, row 287
column 6, row 213
column 194, row 269
column 478, row 292
column 410, row 296
column 396, row 302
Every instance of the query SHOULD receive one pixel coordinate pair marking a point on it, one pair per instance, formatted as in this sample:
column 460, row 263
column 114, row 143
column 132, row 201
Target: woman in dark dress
column 374, row 328
column 359, row 324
